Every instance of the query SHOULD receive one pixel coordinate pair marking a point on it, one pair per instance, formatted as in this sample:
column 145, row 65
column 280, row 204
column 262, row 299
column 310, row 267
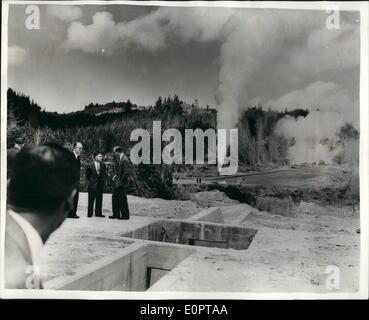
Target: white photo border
column 362, row 7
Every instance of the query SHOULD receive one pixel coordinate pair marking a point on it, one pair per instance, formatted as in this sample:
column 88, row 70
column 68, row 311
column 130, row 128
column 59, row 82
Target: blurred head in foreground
column 43, row 185
column 40, row 195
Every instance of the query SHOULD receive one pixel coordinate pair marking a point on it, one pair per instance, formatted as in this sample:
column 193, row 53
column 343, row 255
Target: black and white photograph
column 184, row 149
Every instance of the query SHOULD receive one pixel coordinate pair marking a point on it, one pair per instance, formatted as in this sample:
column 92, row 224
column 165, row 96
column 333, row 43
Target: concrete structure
column 136, row 268
column 151, row 256
column 213, row 214
column 195, row 233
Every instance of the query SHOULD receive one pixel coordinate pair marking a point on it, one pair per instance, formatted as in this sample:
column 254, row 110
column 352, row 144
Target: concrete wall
column 210, row 215
column 126, row 271
column 140, row 233
column 187, row 232
column 166, row 256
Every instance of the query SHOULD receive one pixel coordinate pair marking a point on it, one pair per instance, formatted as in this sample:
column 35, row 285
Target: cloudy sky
column 230, row 58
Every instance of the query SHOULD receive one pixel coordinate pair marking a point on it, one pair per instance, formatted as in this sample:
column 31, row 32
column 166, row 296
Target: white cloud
column 249, row 40
column 64, row 12
column 16, row 55
column 101, row 34
column 148, row 32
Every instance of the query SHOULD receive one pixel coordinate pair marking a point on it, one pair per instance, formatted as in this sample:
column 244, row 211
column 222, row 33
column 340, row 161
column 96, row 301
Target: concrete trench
column 155, row 250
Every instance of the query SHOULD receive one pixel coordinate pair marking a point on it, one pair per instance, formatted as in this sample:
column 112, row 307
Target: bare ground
column 289, row 253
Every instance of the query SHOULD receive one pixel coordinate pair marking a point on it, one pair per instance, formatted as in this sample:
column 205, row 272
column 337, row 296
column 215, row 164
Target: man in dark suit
column 11, row 153
column 95, row 173
column 35, row 209
column 77, row 150
column 119, row 197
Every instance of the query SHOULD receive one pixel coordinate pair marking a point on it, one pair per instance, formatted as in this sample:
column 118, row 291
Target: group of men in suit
column 95, row 177
column 42, row 191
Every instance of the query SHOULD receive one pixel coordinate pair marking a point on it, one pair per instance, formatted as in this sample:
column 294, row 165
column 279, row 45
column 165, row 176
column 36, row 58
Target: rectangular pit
column 196, row 234
column 140, row 265
column 136, row 268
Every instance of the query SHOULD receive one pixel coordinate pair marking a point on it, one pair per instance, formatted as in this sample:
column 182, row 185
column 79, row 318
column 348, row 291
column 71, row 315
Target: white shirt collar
column 97, row 165
column 33, row 238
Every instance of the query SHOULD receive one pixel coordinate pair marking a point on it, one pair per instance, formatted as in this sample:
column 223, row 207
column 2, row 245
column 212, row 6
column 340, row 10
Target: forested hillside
column 99, row 129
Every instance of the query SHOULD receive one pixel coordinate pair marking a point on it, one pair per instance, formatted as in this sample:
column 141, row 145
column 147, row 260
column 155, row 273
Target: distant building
column 187, row 108
column 114, row 110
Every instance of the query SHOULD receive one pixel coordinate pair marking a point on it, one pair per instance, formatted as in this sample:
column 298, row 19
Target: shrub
column 282, row 207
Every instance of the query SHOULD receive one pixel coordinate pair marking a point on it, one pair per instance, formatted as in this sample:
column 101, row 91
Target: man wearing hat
column 11, row 153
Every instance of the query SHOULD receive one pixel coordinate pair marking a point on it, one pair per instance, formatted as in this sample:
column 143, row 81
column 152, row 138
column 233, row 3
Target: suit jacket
column 95, row 180
column 123, row 170
column 17, row 255
column 78, row 162
column 11, row 153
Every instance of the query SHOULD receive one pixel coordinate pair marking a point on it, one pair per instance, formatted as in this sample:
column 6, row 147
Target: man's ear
column 70, row 200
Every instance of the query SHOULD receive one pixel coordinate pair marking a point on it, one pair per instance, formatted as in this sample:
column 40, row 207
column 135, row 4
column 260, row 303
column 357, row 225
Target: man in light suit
column 40, row 195
column 95, row 174
column 119, row 197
